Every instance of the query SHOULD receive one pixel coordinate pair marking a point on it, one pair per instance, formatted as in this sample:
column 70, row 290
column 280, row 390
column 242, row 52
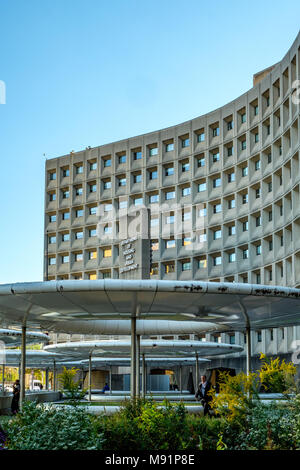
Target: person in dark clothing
column 105, row 388
column 16, row 397
column 202, row 394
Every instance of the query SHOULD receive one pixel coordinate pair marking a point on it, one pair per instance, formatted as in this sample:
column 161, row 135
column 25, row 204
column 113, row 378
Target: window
column 256, row 110
column 217, row 208
column 229, row 125
column 270, row 214
column 92, row 232
column 122, row 181
column 216, row 132
column 256, row 137
column 186, row 241
column 93, row 166
column 66, row 194
column 231, row 230
column 79, row 169
column 92, row 254
column 153, row 151
column 107, row 229
column 52, row 218
column 65, row 259
column 231, row 204
column 51, row 261
column 122, row 159
column 245, row 226
column 259, row 338
column 217, row 234
column 243, row 118
column 153, row 174
column 202, row 212
column 243, row 144
column 201, row 187
column 93, row 210
column 232, row 339
column 269, row 157
column 65, row 237
column 170, row 195
column 257, row 193
column 185, row 142
column 186, row 266
column 186, row 216
column 107, row 184
column 201, row 137
column 137, row 178
column 231, row 258
column 65, row 172
column 169, row 268
column 52, row 176
column 202, row 237
column 170, row 219
column 229, row 151
column 215, row 157
column 51, row 239
column 137, row 155
column 201, row 162
column 66, row 215
column 245, row 171
column 93, row 188
column 79, row 235
column 202, row 264
column 169, row 147
column 258, row 221
column 257, row 165
column 258, row 250
column 169, row 170
column 170, row 244
column 78, row 191
column 153, row 198
column 217, row 260
column 107, row 252
column 137, row 201
column 154, row 221
column 231, row 177
column 216, row 182
column 78, row 257
column 106, row 162
column 245, row 198
column 186, row 191
column 52, row 197
column 245, row 253
column 185, row 167
column 79, row 213
column 270, row 187
column 92, row 277
column 270, row 245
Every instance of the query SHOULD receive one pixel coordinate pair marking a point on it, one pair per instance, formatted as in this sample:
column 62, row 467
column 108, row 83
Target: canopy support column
column 110, row 374
column 180, row 378
column 3, row 377
column 47, row 379
column 248, row 350
column 90, row 377
column 197, row 372
column 133, row 358
column 143, row 376
column 23, row 366
column 54, row 375
column 138, row 349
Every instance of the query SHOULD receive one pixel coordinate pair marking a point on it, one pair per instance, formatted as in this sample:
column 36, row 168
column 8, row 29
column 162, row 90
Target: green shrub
column 46, row 428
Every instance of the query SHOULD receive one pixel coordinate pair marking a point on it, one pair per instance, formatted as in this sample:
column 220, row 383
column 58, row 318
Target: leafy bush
column 276, row 376
column 69, row 386
column 46, row 428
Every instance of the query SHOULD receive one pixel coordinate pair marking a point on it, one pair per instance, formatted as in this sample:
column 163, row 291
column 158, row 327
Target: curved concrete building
column 222, row 191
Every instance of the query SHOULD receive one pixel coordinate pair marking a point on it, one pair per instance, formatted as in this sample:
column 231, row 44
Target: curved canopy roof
column 148, row 347
column 230, row 305
column 13, row 338
column 12, row 357
column 150, row 361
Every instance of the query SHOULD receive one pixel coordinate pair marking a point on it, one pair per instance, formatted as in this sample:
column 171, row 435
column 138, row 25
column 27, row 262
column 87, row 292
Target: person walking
column 16, row 397
column 202, row 394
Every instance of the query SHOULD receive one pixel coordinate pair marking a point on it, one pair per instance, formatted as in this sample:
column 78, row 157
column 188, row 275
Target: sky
column 84, row 73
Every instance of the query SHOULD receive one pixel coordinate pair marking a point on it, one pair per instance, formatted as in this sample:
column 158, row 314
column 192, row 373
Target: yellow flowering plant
column 276, row 376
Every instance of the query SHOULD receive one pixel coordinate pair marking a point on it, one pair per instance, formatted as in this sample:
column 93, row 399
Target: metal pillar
column 144, row 376
column 23, row 366
column 138, row 349
column 90, row 377
column 3, row 378
column 47, row 379
column 248, row 350
column 110, row 374
column 54, row 376
column 197, row 372
column 133, row 358
column 180, row 378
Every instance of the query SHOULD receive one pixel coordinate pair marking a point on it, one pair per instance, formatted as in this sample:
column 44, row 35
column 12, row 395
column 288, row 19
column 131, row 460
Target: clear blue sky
column 88, row 72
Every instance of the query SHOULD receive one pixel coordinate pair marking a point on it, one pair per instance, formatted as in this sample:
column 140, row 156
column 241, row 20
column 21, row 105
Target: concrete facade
column 230, row 179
